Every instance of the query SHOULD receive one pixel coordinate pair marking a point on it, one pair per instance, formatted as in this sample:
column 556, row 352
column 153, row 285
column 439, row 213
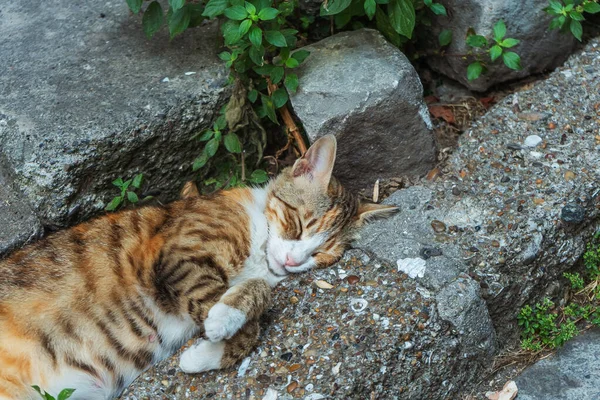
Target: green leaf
column 264, row 70
column 276, row 38
column 245, row 26
column 221, row 122
column 231, row 32
column 135, row 5
column 255, row 36
column 445, row 37
column 557, row 22
column 37, row 389
column 291, row 82
column 257, row 55
column 236, row 13
column 477, row 41
column 495, row 52
column 370, row 7
column 509, row 42
column 438, row 9
column 114, row 204
column 512, row 60
column 215, row 8
column 499, row 30
column 153, row 19
column 269, row 108
column 232, row 143
column 250, row 8
column 280, row 97
column 225, row 56
column 334, row 7
column 65, row 394
column 132, row 197
column 259, row 176
column 576, row 15
column 592, row 8
column 118, row 182
column 196, row 16
column 206, row 136
column 576, row 29
column 176, row 4
column 474, row 70
column 211, row 147
column 200, row 162
column 556, row 6
column 267, row 14
column 179, row 21
column 300, row 55
column 384, row 26
column 402, row 16
column 252, row 95
column 137, row 181
column 277, row 74
column 291, row 63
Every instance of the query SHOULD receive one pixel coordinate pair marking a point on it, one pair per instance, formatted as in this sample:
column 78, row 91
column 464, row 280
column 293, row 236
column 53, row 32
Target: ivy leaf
column 65, row 394
column 300, row 55
column 200, row 162
column 438, row 9
column 334, row 7
column 114, row 204
column 179, row 21
column 259, row 176
column 252, row 95
column 137, row 181
column 236, row 13
column 232, row 143
column 269, row 108
column 135, row 5
column 592, row 8
column 280, row 97
column 152, row 19
column 176, row 4
column 211, row 147
column 495, row 52
column 512, row 60
column 576, row 29
column 267, row 14
column 255, row 36
column 132, row 197
column 499, row 30
column 402, row 16
column 276, row 38
column 370, row 7
column 215, row 8
column 477, row 41
column 474, row 70
column 245, row 26
column 291, row 82
column 445, row 37
column 276, row 74
column 509, row 42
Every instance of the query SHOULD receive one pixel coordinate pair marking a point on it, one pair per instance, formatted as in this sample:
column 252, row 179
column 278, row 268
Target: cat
column 92, row 307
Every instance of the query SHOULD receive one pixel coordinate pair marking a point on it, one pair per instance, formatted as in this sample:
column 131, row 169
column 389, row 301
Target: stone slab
column 86, row 98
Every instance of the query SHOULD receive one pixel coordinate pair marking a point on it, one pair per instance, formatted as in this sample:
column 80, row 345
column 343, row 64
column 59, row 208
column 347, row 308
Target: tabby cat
column 92, row 307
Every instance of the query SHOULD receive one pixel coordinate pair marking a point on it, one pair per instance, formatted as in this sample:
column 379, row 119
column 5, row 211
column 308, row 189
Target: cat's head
column 312, row 218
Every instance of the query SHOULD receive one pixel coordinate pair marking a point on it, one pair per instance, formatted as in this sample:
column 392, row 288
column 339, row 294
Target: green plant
column 63, row 395
column 128, row 192
column 568, row 14
column 495, row 48
column 577, row 282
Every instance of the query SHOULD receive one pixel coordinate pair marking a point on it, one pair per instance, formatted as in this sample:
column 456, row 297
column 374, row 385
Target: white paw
column 223, row 322
column 202, row 356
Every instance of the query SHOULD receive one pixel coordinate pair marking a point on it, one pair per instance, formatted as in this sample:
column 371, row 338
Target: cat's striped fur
column 93, row 306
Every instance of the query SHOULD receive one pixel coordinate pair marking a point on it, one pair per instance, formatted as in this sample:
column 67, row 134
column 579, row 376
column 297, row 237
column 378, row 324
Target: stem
column 288, row 120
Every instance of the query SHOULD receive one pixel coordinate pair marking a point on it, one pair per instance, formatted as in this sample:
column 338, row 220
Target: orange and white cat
column 92, row 307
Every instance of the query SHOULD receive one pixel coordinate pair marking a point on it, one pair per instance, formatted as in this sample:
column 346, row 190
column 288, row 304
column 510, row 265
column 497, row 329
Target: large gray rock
column 573, row 373
column 18, row 224
column 540, row 49
column 365, row 91
column 84, row 100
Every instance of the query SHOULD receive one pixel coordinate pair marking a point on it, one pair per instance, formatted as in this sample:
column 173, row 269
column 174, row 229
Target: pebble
column 572, row 213
column 352, row 279
column 294, row 300
column 294, row 367
column 323, row 284
column 495, row 243
column 286, row 356
column 336, row 369
column 569, row 175
column 438, row 226
column 538, row 200
column 532, row 141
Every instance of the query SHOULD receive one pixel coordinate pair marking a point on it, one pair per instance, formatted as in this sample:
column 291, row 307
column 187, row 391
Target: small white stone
column 243, row 367
column 358, row 305
column 535, row 154
column 532, row 140
column 413, row 267
column 376, row 317
column 271, row 394
column 314, row 396
column 165, row 79
column 190, row 73
column 309, row 387
column 408, row 345
column 336, row 370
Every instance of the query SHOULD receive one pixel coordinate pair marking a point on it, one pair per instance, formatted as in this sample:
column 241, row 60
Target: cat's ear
column 189, row 190
column 317, row 162
column 368, row 212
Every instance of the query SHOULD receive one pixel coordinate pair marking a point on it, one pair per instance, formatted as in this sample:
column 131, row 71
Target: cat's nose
column 289, row 262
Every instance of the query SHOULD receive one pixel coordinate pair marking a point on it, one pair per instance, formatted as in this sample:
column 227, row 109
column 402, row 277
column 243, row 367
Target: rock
column 572, row 373
column 540, row 49
column 17, row 220
column 365, row 91
column 572, row 213
column 532, row 141
column 82, row 102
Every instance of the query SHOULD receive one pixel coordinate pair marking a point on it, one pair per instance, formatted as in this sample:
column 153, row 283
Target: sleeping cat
column 92, row 307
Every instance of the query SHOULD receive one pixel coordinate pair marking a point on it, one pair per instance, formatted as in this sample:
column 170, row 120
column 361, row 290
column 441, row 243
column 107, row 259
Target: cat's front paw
column 223, row 322
column 202, row 356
